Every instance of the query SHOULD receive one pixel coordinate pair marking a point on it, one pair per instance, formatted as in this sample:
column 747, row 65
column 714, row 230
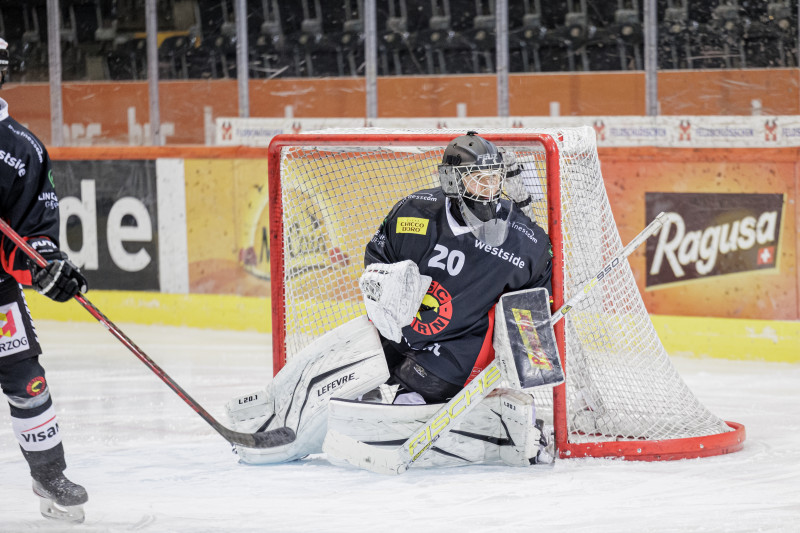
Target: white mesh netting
column 621, row 384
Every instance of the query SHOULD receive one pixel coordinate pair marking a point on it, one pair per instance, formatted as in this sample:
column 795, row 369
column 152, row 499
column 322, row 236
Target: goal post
column 329, row 192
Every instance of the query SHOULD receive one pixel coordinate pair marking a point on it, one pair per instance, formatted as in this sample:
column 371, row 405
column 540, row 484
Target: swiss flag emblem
column 766, row 255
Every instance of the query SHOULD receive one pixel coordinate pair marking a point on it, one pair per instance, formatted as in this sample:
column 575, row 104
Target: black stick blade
column 263, row 439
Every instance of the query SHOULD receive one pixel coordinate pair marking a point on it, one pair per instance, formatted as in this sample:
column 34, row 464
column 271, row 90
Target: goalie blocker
column 524, row 342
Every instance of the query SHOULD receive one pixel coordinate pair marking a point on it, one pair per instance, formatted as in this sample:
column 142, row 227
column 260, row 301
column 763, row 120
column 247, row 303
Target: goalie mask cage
column 329, row 192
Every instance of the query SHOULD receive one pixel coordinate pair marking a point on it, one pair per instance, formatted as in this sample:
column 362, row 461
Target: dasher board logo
column 12, row 331
column 308, row 245
column 710, row 234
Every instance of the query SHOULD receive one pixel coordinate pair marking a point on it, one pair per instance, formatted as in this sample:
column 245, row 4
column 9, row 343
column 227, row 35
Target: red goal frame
column 643, row 450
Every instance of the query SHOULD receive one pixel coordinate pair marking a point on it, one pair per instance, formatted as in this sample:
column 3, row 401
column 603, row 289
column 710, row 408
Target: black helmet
column 472, row 174
column 472, row 155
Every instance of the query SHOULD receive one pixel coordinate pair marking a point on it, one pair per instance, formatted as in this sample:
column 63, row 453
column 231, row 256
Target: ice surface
column 151, row 464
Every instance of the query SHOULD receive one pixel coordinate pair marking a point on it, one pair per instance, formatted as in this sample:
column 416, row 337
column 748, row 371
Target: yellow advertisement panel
column 226, row 220
column 328, row 222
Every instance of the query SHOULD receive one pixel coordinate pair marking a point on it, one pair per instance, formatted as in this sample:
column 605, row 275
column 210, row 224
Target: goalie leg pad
column 345, row 363
column 500, row 428
column 527, row 445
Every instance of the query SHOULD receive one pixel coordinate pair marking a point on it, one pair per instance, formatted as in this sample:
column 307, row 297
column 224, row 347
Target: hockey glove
column 392, row 295
column 515, row 189
column 60, row 280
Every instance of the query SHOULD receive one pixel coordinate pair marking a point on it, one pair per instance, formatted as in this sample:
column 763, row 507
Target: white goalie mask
column 472, row 174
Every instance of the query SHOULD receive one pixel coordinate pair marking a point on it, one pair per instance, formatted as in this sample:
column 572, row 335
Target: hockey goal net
column 329, row 192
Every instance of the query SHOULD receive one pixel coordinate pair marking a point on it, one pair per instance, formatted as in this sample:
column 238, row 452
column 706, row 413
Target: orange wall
column 712, row 92
column 729, row 92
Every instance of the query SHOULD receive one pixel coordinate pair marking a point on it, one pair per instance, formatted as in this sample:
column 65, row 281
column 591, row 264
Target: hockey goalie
column 457, row 329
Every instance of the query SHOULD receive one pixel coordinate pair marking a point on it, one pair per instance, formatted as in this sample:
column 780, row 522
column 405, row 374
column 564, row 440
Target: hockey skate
column 61, row 499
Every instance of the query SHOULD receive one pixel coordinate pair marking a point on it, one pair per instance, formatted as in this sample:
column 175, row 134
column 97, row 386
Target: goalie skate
column 61, row 499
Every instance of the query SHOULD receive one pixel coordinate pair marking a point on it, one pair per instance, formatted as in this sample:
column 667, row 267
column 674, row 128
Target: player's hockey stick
column 398, row 460
column 267, row 439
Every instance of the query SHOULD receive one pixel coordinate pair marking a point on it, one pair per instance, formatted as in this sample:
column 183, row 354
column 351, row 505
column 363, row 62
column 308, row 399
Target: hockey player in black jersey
column 435, row 269
column 471, row 242
column 28, row 203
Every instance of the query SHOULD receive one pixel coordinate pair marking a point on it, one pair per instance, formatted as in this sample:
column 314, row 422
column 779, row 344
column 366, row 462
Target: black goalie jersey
column 453, row 325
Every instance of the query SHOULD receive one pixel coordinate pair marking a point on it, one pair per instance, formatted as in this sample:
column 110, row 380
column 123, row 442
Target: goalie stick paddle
column 267, row 439
column 398, row 460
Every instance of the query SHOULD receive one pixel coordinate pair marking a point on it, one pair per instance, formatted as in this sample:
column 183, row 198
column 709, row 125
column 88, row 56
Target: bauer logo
column 12, row 333
column 417, row 226
column 712, row 235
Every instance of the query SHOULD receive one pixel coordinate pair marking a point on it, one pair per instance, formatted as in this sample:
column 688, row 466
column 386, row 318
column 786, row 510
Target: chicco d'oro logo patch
column 437, row 300
column 36, row 386
column 417, row 226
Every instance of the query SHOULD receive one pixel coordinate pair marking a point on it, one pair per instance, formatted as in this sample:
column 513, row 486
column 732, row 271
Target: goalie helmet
column 472, row 168
column 472, row 174
column 3, row 61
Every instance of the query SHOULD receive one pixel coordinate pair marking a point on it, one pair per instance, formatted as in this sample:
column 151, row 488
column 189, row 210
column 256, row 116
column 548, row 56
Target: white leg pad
column 500, row 428
column 344, row 363
column 519, row 416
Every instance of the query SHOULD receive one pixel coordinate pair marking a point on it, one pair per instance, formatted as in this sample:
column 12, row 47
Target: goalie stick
column 645, row 234
column 398, row 460
column 268, row 439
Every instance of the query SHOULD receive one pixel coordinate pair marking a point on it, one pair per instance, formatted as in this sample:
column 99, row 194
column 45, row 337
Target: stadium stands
column 104, row 39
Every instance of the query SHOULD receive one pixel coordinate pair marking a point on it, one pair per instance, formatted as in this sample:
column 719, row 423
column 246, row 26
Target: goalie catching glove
column 515, row 188
column 60, row 280
column 392, row 295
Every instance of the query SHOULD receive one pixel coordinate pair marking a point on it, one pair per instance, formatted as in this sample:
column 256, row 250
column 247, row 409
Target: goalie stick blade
column 264, row 439
column 387, row 461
